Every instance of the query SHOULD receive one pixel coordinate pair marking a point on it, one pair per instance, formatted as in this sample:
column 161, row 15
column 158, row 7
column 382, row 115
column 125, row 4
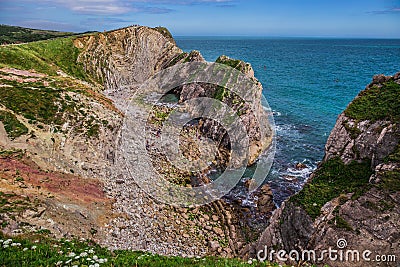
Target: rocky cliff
column 354, row 194
column 60, row 113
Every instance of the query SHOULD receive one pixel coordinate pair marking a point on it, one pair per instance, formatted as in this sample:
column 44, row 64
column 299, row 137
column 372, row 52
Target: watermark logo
column 341, row 243
column 339, row 254
column 136, row 138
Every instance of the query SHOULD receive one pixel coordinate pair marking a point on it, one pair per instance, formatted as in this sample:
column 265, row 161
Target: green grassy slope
column 377, row 103
column 14, row 34
column 44, row 56
column 39, row 250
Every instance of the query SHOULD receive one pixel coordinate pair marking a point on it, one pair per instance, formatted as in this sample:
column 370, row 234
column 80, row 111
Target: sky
column 276, row 18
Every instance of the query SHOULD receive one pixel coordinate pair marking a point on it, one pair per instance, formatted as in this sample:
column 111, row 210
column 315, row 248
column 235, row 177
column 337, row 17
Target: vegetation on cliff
column 234, row 63
column 165, row 32
column 15, row 34
column 45, row 101
column 332, row 179
column 45, row 56
column 40, row 250
column 379, row 102
column 12, row 125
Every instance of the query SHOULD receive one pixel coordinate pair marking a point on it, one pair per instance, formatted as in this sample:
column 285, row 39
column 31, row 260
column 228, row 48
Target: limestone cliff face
column 126, row 57
column 367, row 218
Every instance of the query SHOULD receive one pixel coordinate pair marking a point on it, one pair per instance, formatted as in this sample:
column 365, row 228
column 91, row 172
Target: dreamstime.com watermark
column 339, row 254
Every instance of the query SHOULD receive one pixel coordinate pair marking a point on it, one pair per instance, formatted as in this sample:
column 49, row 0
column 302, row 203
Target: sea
column 307, row 82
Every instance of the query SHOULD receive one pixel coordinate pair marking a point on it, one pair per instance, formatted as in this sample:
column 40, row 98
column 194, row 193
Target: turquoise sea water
column 307, row 83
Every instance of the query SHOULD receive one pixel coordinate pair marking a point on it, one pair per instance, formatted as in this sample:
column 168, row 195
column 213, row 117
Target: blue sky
column 306, row 18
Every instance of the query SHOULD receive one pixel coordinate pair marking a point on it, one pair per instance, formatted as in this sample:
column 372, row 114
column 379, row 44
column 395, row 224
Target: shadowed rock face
column 368, row 221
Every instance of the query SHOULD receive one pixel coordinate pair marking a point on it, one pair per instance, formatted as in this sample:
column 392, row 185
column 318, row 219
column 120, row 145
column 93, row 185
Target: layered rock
column 125, row 57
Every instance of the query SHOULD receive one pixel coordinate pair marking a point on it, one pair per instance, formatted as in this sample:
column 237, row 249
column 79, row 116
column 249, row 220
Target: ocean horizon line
column 263, row 37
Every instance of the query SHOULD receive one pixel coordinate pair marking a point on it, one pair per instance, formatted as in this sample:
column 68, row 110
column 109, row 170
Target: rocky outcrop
column 357, row 139
column 366, row 216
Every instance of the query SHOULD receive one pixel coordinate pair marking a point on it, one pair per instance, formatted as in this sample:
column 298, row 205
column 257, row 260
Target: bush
column 12, row 125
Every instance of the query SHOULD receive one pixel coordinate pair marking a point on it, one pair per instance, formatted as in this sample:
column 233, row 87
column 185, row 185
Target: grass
column 14, row 34
column 332, row 179
column 93, row 131
column 12, row 125
column 48, row 104
column 376, row 104
column 34, row 101
column 45, row 56
column 233, row 63
column 352, row 130
column 220, row 93
column 394, row 156
column 11, row 203
column 40, row 250
column 165, row 32
column 342, row 223
column 178, row 58
column 17, row 153
column 390, row 181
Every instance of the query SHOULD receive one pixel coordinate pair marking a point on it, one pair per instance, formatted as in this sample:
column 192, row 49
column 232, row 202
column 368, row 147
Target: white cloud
column 47, row 25
column 118, row 7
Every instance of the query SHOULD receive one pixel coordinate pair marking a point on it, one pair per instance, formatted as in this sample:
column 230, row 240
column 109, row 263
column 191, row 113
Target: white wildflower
column 96, row 265
column 250, row 262
column 25, row 249
column 1, row 241
column 91, row 251
column 14, row 244
column 68, row 261
column 56, row 246
column 105, row 260
column 5, row 246
column 71, row 254
column 77, row 257
column 88, row 259
column 33, row 247
column 74, row 265
column 60, row 252
column 59, row 263
column 95, row 257
column 36, row 241
column 83, row 254
column 91, row 265
column 101, row 261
